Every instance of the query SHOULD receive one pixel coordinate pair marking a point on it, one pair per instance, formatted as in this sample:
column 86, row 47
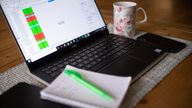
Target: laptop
column 54, row 33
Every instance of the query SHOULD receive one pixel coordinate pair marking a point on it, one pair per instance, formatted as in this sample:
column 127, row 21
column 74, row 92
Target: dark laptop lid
column 43, row 28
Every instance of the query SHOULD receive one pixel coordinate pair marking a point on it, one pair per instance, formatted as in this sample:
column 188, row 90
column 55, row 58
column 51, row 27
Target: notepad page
column 67, row 91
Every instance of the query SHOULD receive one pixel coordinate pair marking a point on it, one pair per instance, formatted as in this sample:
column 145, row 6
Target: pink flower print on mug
column 118, row 27
column 119, row 9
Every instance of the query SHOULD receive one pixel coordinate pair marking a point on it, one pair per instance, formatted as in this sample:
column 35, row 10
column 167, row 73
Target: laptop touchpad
column 125, row 66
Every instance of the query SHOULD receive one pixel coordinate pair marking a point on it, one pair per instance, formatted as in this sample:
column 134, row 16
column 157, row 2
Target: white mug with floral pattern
column 124, row 18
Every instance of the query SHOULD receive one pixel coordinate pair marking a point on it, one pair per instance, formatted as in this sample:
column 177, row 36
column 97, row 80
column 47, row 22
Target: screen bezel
column 59, row 53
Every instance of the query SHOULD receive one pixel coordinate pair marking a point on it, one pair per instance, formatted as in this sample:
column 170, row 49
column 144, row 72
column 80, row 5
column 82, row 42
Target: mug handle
column 145, row 15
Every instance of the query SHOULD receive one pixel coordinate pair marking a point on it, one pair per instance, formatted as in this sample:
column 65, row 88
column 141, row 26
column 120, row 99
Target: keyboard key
column 92, row 49
column 85, row 57
column 90, row 59
column 74, row 63
column 60, row 66
column 98, row 60
column 56, row 73
column 109, row 54
column 50, row 66
column 82, row 54
column 95, row 56
column 61, row 61
column 93, row 63
column 54, row 69
column 71, row 60
column 55, row 64
column 77, row 57
column 97, row 47
column 85, row 61
column 45, row 69
column 90, row 55
column 87, row 51
column 79, row 60
column 48, row 72
column 88, row 66
column 65, row 59
column 80, row 65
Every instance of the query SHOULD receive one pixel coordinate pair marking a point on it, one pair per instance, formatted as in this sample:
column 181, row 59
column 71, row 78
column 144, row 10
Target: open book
column 65, row 90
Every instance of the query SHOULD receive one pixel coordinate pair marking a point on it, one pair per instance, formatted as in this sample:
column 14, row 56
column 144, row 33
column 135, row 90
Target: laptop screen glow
column 42, row 26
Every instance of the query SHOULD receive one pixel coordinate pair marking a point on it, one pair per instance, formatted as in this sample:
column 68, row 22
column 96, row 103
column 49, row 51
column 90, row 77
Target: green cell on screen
column 36, row 30
column 32, row 23
column 27, row 11
column 43, row 44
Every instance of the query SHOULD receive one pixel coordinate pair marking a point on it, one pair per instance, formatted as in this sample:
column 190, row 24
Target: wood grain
column 165, row 17
column 9, row 53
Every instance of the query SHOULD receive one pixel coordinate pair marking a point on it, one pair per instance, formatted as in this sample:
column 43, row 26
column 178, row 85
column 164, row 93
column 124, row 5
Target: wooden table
column 165, row 17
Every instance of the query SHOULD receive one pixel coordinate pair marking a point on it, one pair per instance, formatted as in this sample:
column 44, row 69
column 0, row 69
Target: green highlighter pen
column 77, row 76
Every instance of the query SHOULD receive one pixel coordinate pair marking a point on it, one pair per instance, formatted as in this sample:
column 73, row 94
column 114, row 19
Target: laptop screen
column 42, row 27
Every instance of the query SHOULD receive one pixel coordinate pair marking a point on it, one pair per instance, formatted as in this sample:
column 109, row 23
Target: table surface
column 165, row 17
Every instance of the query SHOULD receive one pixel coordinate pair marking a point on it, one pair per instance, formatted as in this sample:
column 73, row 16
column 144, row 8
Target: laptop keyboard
column 93, row 57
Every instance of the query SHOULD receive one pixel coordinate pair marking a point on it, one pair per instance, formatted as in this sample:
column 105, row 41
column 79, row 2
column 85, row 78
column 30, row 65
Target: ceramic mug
column 124, row 18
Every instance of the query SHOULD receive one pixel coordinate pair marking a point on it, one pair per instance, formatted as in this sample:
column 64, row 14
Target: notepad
column 64, row 90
